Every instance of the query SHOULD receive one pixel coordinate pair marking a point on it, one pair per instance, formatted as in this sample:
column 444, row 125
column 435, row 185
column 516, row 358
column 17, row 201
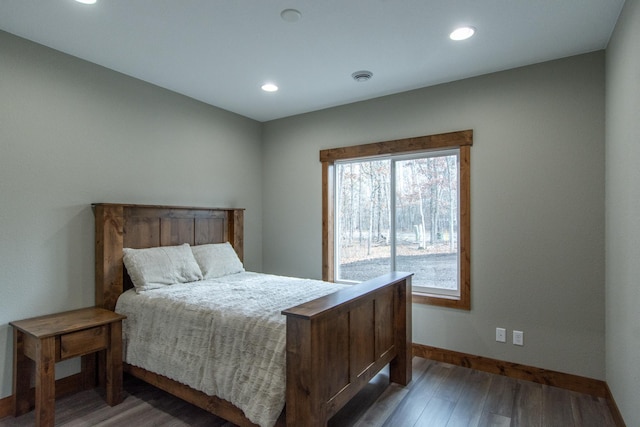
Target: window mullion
column 336, row 228
column 392, row 213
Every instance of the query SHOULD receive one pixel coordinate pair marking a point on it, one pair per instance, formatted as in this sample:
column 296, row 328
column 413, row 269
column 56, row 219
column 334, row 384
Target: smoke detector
column 362, row 76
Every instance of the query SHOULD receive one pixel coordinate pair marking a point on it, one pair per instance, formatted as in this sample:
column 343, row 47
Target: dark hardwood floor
column 439, row 395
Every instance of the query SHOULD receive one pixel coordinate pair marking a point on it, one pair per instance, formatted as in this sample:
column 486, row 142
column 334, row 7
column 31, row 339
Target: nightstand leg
column 114, row 365
column 21, row 375
column 45, row 382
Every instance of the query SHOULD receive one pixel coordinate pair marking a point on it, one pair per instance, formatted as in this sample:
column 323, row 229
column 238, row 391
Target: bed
column 334, row 344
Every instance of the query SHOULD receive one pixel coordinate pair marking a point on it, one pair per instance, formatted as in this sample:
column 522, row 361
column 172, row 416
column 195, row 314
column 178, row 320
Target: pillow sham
column 153, row 268
column 217, row 260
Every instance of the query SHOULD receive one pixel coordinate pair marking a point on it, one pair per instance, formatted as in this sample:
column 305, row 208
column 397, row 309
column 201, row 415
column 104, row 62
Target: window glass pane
column 432, row 237
column 363, row 220
column 427, row 222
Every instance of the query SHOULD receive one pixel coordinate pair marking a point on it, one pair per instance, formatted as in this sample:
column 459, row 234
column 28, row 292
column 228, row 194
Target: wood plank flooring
column 440, row 395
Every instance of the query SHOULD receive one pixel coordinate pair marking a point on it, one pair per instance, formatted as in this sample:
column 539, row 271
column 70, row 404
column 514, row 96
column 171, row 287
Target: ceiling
column 222, row 51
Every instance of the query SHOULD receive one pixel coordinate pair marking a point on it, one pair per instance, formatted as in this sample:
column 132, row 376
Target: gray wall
column 623, row 213
column 73, row 133
column 537, row 203
column 537, row 191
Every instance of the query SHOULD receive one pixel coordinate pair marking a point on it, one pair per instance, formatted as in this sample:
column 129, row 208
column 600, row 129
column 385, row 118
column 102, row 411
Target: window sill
column 441, row 301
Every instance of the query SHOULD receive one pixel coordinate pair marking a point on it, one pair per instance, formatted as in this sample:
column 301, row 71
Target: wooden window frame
column 463, row 140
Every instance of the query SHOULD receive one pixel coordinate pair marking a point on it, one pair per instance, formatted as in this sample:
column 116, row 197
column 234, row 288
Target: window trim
column 460, row 139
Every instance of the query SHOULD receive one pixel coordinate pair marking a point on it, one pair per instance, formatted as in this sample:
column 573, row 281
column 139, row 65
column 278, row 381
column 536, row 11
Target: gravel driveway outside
column 436, row 270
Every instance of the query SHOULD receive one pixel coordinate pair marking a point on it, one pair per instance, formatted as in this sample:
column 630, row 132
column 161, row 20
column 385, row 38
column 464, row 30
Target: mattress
column 225, row 336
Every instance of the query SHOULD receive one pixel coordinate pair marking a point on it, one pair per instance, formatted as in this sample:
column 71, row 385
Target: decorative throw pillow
column 161, row 266
column 217, row 260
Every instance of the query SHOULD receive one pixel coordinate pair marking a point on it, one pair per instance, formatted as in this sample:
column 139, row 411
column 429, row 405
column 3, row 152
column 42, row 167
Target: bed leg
column 303, row 404
column 400, row 367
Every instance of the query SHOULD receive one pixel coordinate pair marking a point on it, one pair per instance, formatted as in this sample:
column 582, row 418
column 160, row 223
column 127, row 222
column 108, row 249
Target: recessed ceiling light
column 290, row 15
column 362, row 76
column 86, row 1
column 269, row 87
column 462, row 33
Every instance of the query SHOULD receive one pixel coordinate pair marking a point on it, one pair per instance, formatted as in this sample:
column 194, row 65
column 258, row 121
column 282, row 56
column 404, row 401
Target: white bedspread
column 224, row 337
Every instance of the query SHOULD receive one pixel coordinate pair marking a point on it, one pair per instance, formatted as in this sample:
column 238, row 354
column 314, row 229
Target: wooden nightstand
column 52, row 338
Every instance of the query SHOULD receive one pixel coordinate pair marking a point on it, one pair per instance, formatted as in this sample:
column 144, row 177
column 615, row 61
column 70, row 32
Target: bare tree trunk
column 451, row 207
column 422, row 242
column 380, row 180
column 371, row 208
column 351, row 206
column 435, row 199
column 360, row 204
column 388, row 188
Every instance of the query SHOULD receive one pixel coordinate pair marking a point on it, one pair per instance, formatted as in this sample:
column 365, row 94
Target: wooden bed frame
column 335, row 344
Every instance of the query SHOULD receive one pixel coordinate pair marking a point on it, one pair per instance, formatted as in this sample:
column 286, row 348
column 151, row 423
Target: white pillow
column 217, row 259
column 157, row 267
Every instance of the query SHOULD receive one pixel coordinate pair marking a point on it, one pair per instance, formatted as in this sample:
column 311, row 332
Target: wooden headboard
column 121, row 226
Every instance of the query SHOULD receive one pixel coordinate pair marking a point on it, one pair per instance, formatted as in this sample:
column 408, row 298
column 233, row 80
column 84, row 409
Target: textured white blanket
column 224, row 336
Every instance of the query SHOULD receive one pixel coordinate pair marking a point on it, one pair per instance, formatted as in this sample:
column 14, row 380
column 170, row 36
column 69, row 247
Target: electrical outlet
column 518, row 338
column 501, row 335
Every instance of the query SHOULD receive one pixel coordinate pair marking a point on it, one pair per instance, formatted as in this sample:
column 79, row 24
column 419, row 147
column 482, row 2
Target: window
column 400, row 205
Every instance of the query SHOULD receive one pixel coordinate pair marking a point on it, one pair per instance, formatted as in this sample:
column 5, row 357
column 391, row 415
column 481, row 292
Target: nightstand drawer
column 83, row 342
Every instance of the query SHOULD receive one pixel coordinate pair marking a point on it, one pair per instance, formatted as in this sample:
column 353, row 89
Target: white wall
column 537, row 204
column 73, row 133
column 623, row 213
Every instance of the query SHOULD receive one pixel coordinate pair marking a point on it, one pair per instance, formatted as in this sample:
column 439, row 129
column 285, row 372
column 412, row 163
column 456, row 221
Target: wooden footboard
column 337, row 343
